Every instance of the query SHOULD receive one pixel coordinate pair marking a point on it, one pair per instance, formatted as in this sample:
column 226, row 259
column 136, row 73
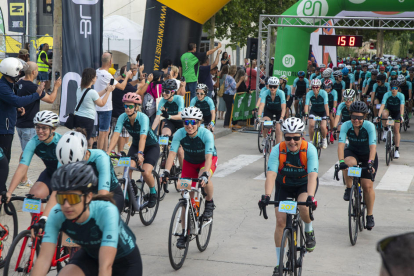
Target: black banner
column 17, row 15
column 82, row 30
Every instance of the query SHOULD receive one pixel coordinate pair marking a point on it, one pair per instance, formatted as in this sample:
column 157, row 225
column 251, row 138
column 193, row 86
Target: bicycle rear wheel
column 176, row 171
column 176, row 255
column 21, row 257
column 206, row 227
column 147, row 215
column 8, row 229
column 62, row 252
column 353, row 214
column 287, row 254
column 260, row 139
column 266, row 157
column 388, row 149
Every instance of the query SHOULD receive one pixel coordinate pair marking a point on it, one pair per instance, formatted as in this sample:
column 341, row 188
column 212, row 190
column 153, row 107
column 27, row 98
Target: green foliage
column 239, row 19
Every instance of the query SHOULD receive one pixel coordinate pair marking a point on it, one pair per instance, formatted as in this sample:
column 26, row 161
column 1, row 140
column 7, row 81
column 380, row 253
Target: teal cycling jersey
column 1, row 154
column 393, row 103
column 206, row 105
column 332, row 97
column 46, row 152
column 102, row 228
column 276, row 103
column 342, row 109
column 173, row 107
column 405, row 74
column 370, row 83
column 263, row 91
column 314, row 75
column 293, row 174
column 339, row 87
column 391, row 78
column 300, row 86
column 141, row 127
column 318, row 103
column 287, row 90
column 196, row 148
column 405, row 88
column 347, row 80
column 357, row 75
column 381, row 90
column 359, row 144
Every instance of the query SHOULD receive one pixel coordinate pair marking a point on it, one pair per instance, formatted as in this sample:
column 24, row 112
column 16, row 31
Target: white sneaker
column 25, row 185
column 396, row 154
column 324, row 143
column 384, row 136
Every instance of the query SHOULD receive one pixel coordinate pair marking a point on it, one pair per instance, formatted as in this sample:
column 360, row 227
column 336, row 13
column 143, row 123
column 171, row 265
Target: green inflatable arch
column 292, row 45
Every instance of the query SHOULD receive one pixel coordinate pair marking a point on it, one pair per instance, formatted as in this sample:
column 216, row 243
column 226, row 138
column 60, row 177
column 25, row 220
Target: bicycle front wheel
column 388, row 149
column 266, row 157
column 21, row 256
column 177, row 255
column 353, row 215
column 362, row 217
column 160, row 167
column 260, row 139
column 147, row 215
column 206, row 227
column 300, row 254
column 8, row 229
column 287, row 254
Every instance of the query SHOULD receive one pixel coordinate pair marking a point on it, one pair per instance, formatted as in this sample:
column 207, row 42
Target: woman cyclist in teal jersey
column 206, row 106
column 108, row 246
column 342, row 113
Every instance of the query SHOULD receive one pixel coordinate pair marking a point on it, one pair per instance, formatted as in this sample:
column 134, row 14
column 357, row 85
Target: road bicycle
column 292, row 251
column 8, row 227
column 389, row 140
column 270, row 140
column 301, row 110
column 188, row 220
column 175, row 171
column 406, row 122
column 25, row 249
column 136, row 193
column 357, row 207
column 317, row 135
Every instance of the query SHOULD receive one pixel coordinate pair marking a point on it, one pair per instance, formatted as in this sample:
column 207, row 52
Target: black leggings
column 4, row 173
column 6, row 141
column 228, row 99
column 119, row 198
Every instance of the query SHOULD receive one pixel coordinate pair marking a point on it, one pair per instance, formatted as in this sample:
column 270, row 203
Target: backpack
column 303, row 155
column 149, row 104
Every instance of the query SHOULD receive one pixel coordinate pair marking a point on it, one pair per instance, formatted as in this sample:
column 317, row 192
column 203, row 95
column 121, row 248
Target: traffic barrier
column 243, row 105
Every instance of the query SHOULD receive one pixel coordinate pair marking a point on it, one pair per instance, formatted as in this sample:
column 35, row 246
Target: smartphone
column 112, row 82
column 182, row 78
column 128, row 66
column 140, row 62
column 57, row 75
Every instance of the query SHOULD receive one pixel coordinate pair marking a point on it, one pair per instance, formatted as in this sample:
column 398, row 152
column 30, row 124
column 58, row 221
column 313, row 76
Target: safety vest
column 303, row 155
column 43, row 67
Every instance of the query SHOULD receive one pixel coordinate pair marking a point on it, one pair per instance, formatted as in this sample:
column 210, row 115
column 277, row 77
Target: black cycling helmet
column 74, row 176
column 358, row 107
column 374, row 72
column 394, row 83
column 358, row 67
column 301, row 74
column 381, row 77
column 411, row 69
column 170, row 85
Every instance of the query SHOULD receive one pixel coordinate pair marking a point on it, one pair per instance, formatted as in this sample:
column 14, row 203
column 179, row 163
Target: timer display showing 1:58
column 340, row 40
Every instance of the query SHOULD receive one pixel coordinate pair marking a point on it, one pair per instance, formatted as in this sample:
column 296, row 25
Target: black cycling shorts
column 396, row 115
column 283, row 191
column 312, row 114
column 130, row 265
column 289, row 103
column 364, row 159
column 173, row 125
column 118, row 197
column 151, row 153
column 270, row 113
column 45, row 178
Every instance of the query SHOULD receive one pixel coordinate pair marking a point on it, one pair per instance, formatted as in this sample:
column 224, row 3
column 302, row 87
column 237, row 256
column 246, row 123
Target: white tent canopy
column 122, row 35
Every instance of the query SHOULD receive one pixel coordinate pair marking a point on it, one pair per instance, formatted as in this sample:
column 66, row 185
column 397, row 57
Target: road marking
column 235, row 164
column 397, row 178
column 327, row 178
column 261, row 177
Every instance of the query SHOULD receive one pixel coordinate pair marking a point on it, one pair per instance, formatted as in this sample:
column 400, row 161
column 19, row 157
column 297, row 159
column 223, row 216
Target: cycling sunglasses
column 355, row 117
column 131, row 106
column 272, row 86
column 72, row 198
column 167, row 91
column 394, row 88
column 190, row 122
column 315, row 87
column 200, row 94
column 295, row 138
column 348, row 99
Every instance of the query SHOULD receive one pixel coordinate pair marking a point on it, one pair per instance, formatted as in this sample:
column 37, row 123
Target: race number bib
column 378, row 106
column 184, row 184
column 317, row 118
column 268, row 123
column 162, row 140
column 124, row 162
column 288, row 207
column 354, row 171
column 32, row 205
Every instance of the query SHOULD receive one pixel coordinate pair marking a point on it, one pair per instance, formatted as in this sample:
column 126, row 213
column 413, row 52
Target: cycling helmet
column 326, row 74
column 358, row 107
column 132, row 97
column 317, row 68
column 202, row 86
column 411, row 69
column 273, row 81
column 368, row 75
column 335, row 69
column 349, row 93
column 381, row 77
column 349, row 67
column 353, row 62
column 370, row 67
column 301, row 74
column 337, row 73
column 283, row 77
column 341, row 65
column 345, row 71
column 394, row 83
column 293, row 125
column 374, row 72
column 393, row 73
column 74, row 176
column 192, row 112
column 382, row 68
column 327, row 83
column 401, row 79
column 71, row 147
column 316, row 82
column 46, row 117
column 170, row 84
column 11, row 67
column 363, row 62
column 395, row 68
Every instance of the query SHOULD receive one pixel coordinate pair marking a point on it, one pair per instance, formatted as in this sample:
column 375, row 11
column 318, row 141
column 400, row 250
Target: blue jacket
column 9, row 101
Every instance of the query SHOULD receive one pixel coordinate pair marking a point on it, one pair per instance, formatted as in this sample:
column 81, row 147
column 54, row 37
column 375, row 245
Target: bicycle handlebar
column 134, row 158
column 336, row 177
column 276, row 203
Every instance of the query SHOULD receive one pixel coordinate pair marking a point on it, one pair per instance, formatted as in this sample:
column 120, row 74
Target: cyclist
column 206, row 106
column 403, row 70
column 108, row 246
column 363, row 76
column 43, row 144
column 393, row 76
column 144, row 141
column 362, row 148
column 393, row 105
column 346, row 78
column 320, row 107
column 316, row 74
column 273, row 106
column 406, row 89
column 342, row 113
column 378, row 91
column 357, row 77
column 370, row 81
column 292, row 181
column 382, row 71
column 288, row 93
column 332, row 102
column 327, row 75
column 339, row 84
column 300, row 88
column 410, row 78
column 200, row 157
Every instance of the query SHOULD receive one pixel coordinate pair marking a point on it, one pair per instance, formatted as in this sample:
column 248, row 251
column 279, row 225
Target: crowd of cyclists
column 85, row 193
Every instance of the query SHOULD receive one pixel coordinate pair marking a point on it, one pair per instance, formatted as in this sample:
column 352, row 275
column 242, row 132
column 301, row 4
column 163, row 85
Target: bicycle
column 165, row 142
column 8, row 227
column 406, row 122
column 389, row 140
column 195, row 225
column 270, row 140
column 25, row 249
column 301, row 110
column 317, row 135
column 292, row 252
column 357, row 206
column 136, row 193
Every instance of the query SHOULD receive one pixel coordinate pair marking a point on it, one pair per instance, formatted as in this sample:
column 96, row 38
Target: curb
column 223, row 133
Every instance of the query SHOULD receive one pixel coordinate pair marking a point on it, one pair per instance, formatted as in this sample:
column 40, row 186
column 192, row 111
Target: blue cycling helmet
column 301, row 74
column 345, row 71
column 353, row 62
column 393, row 73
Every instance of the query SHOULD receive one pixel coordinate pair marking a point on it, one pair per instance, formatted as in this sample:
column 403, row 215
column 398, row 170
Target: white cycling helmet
column 11, row 67
column 349, row 93
column 202, row 86
column 342, row 65
column 192, row 112
column 326, row 73
column 46, row 117
column 273, row 81
column 316, row 82
column 349, row 67
column 293, row 125
column 71, row 147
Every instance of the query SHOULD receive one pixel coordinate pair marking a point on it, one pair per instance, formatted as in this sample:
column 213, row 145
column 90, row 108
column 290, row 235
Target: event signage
column 17, row 16
column 341, row 40
column 243, row 106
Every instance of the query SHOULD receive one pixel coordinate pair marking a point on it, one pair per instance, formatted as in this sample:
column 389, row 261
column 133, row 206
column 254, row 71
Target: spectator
column 118, row 108
column 166, row 66
column 221, row 103
column 205, row 76
column 136, row 75
column 241, row 75
column 10, row 103
column 225, row 60
column 262, row 75
column 272, row 61
column 105, row 112
column 213, row 75
column 180, row 84
column 252, row 74
column 44, row 64
column 24, row 55
column 85, row 116
column 153, row 87
column 25, row 126
column 230, row 88
column 190, row 66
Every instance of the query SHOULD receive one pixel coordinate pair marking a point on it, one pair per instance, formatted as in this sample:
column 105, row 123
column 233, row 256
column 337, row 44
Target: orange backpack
column 303, row 155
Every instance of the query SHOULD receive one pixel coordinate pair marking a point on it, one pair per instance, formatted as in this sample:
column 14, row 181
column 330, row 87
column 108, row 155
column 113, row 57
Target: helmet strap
column 85, row 205
column 172, row 95
column 135, row 112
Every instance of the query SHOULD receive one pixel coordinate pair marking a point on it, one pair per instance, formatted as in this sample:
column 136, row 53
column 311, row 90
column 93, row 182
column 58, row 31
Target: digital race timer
column 340, row 40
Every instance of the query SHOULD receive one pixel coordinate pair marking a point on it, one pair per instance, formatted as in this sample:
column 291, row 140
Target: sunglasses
column 42, row 128
column 301, row 77
column 71, row 198
column 394, row 88
column 294, row 138
column 200, row 94
column 348, row 99
column 339, row 76
column 272, row 86
column 131, row 106
column 378, row 81
column 315, row 87
column 190, row 122
column 166, row 91
column 355, row 117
